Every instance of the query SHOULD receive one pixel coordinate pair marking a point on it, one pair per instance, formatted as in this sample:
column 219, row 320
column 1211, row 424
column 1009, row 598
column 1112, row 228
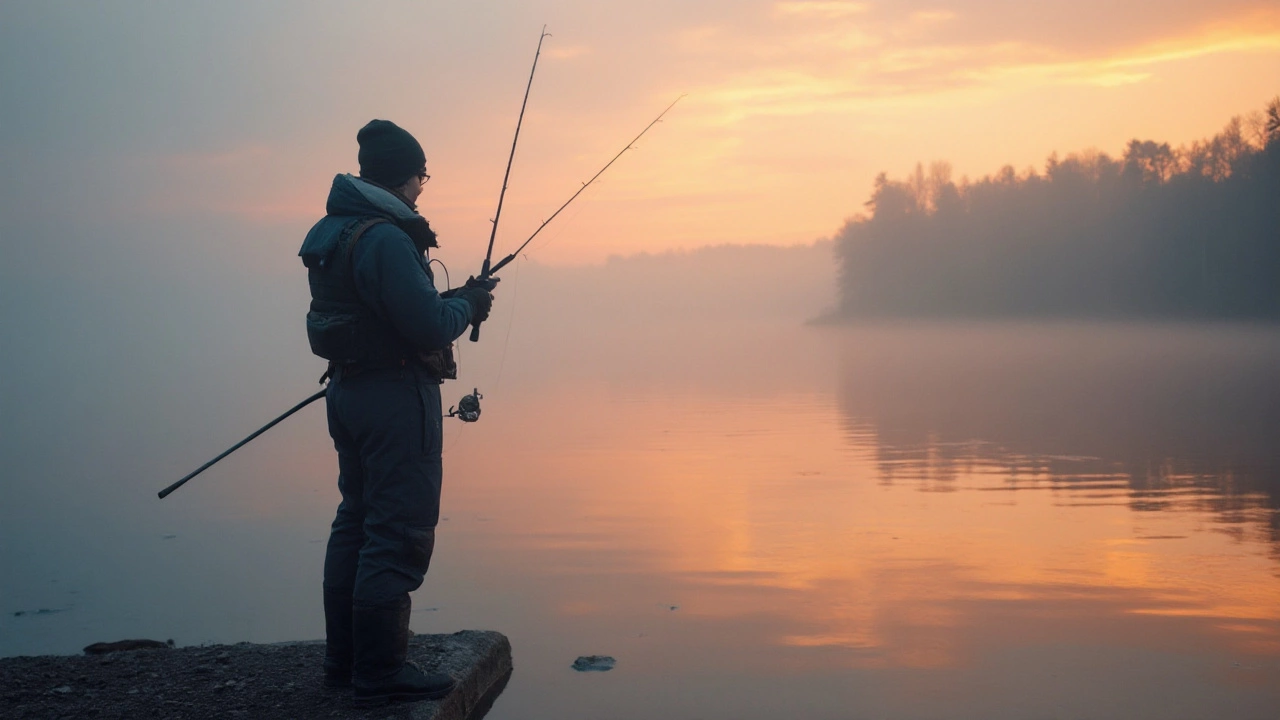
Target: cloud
column 830, row 63
column 1138, row 63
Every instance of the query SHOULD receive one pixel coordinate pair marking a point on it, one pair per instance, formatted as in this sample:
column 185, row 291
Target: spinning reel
column 468, row 409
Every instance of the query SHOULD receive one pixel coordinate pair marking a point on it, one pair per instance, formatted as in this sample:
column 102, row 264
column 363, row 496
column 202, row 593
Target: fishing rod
column 165, row 492
column 503, row 262
column 468, row 409
column 487, row 271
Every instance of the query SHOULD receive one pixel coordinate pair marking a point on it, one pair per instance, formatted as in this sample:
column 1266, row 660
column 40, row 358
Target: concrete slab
column 263, row 682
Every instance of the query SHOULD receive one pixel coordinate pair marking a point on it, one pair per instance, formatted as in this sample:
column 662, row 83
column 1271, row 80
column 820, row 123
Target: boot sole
column 371, row 700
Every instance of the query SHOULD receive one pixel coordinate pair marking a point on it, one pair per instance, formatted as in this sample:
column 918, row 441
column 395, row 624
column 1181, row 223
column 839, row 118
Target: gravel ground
column 257, row 682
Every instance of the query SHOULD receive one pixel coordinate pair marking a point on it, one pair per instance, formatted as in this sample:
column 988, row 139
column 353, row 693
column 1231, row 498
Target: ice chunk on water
column 594, row 663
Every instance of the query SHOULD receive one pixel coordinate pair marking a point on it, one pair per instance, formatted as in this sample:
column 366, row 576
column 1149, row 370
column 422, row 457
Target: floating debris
column 594, row 663
column 41, row 611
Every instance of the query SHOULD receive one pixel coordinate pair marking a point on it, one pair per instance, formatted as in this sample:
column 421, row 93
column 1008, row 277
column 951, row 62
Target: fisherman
column 387, row 333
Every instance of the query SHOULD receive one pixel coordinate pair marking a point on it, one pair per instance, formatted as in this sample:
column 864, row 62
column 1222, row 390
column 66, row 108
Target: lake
column 757, row 520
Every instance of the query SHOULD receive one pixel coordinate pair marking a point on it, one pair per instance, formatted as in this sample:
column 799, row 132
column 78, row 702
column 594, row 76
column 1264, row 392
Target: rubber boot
column 380, row 672
column 338, row 648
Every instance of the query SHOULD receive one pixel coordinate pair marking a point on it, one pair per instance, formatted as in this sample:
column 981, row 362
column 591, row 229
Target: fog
column 124, row 378
column 120, row 378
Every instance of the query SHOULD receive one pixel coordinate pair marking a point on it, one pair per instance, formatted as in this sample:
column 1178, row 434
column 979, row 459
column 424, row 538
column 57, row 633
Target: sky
column 230, row 119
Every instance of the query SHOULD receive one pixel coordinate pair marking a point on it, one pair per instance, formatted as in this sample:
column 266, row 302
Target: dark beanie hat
column 389, row 154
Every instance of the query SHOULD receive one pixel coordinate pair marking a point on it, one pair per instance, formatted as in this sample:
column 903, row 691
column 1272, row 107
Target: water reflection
column 1154, row 417
column 1078, row 520
column 767, row 521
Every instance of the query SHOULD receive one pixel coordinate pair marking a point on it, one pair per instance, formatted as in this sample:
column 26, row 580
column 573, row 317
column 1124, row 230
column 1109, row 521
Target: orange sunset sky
column 242, row 112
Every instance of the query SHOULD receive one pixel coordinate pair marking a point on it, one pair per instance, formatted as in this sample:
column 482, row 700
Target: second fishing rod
column 488, row 270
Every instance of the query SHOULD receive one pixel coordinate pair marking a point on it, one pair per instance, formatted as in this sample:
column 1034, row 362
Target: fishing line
column 511, row 321
column 552, row 237
column 448, row 285
column 560, row 229
column 457, row 438
column 488, row 270
column 506, row 344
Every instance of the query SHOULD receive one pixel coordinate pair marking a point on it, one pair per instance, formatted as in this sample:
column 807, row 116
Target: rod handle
column 475, row 333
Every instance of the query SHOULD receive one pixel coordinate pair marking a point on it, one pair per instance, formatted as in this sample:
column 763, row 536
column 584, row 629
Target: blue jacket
column 377, row 298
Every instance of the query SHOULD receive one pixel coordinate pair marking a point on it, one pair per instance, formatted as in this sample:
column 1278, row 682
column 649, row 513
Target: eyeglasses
column 423, row 178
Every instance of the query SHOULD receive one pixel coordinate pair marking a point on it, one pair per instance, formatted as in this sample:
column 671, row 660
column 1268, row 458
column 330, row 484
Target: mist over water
column 753, row 515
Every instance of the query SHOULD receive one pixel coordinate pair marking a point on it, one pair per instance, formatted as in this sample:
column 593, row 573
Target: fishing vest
column 341, row 328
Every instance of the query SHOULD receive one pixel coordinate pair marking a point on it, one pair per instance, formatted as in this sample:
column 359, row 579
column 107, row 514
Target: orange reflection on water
column 778, row 529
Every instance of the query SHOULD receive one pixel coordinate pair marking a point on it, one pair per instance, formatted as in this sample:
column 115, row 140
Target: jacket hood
column 352, row 196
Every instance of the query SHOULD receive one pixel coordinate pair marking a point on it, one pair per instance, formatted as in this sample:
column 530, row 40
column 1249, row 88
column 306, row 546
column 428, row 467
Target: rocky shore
column 255, row 682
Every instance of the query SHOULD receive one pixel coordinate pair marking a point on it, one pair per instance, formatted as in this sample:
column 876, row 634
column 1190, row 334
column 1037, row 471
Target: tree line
column 1162, row 232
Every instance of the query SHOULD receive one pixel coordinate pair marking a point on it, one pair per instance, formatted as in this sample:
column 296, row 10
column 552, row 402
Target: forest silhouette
column 1190, row 232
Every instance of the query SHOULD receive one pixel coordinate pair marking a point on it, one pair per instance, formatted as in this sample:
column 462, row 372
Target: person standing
column 387, row 333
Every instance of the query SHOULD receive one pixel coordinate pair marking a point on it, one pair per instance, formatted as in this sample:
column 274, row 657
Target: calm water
column 922, row 521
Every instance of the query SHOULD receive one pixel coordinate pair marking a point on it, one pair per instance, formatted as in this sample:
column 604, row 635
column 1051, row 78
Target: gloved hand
column 479, row 298
column 488, row 284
